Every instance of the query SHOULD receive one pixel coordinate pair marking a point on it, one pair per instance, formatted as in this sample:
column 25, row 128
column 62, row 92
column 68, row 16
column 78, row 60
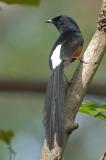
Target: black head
column 64, row 23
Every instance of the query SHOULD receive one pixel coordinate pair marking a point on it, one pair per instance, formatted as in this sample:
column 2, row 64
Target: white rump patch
column 55, row 58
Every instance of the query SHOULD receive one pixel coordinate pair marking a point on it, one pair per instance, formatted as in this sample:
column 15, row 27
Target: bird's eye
column 61, row 21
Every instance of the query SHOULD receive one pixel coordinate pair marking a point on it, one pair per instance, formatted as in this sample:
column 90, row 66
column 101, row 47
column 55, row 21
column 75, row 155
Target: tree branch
column 79, row 84
column 103, row 156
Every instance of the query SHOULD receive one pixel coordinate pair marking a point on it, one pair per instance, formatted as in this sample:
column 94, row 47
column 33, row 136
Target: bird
column 66, row 49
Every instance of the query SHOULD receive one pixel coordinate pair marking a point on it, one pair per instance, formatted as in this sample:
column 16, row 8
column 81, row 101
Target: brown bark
column 103, row 156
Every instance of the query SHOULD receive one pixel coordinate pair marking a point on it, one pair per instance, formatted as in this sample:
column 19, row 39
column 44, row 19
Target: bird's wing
column 70, row 47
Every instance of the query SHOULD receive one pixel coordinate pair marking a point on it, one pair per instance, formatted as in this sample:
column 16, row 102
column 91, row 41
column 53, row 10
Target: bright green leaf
column 101, row 108
column 101, row 116
column 26, row 2
column 94, row 110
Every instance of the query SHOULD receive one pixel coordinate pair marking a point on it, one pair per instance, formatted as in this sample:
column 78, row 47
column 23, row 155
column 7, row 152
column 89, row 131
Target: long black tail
column 54, row 108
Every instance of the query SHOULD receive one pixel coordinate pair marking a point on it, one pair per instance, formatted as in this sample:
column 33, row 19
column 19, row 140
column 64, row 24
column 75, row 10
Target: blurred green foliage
column 28, row 2
column 6, row 136
column 23, row 114
column 26, row 41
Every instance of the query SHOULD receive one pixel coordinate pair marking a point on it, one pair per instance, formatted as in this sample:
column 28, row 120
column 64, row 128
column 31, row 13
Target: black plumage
column 71, row 42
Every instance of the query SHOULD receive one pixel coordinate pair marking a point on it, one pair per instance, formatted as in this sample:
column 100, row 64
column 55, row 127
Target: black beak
column 49, row 21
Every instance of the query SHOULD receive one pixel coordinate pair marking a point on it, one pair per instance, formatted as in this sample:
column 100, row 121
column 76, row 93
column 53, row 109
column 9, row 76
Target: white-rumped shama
column 66, row 49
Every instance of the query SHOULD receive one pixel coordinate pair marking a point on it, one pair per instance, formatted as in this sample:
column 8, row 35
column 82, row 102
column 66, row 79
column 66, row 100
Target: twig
column 12, row 152
column 80, row 83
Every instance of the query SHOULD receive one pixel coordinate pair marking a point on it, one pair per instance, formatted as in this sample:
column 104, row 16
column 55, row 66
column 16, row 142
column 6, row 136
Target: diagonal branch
column 79, row 84
column 103, row 156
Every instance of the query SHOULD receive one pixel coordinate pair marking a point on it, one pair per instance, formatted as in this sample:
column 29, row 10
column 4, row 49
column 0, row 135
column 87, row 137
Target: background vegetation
column 25, row 43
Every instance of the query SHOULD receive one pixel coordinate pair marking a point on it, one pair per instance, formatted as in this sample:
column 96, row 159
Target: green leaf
column 94, row 110
column 26, row 2
column 6, row 136
column 101, row 116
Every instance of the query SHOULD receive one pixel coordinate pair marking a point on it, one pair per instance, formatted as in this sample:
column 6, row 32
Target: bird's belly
column 77, row 53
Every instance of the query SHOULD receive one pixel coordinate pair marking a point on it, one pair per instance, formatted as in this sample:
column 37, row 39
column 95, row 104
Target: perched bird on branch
column 66, row 49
